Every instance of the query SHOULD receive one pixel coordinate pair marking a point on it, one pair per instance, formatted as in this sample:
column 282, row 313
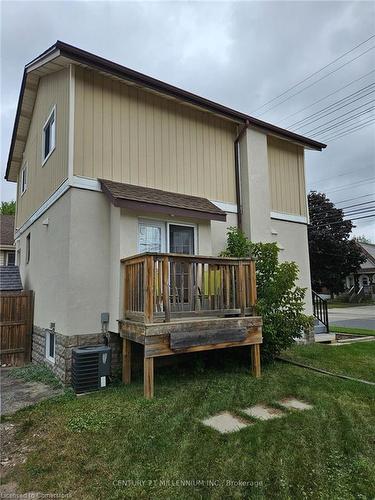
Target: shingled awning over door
column 156, row 200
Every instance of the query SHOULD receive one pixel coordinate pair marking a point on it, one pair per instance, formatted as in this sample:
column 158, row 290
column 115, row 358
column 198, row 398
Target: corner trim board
column 230, row 208
column 301, row 219
column 71, row 121
column 85, row 183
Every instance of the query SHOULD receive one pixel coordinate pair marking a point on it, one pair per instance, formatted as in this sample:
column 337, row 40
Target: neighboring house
column 363, row 281
column 7, row 248
column 111, row 163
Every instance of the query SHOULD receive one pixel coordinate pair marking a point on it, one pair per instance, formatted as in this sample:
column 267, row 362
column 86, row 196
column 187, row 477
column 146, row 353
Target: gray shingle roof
column 369, row 248
column 10, row 278
column 157, row 200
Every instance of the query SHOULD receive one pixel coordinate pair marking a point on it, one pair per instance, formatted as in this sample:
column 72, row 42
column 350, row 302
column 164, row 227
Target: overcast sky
column 240, row 54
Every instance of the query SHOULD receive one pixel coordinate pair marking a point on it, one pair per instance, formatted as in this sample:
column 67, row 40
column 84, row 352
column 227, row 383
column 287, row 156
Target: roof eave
column 108, row 66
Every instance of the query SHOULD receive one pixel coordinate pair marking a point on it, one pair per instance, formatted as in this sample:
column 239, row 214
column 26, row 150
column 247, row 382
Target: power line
column 334, row 110
column 329, row 217
column 335, row 92
column 320, row 225
column 313, row 74
column 361, row 121
column 358, row 211
column 317, row 81
column 338, row 117
column 347, row 127
column 341, row 175
column 350, row 131
column 353, row 184
column 358, row 204
column 355, row 198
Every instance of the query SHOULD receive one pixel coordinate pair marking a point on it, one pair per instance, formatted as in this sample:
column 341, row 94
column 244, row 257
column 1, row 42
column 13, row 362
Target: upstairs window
column 49, row 136
column 23, row 179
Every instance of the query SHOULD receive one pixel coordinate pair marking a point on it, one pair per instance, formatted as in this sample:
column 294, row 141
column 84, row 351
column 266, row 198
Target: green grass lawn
column 340, row 305
column 352, row 330
column 355, row 360
column 114, row 444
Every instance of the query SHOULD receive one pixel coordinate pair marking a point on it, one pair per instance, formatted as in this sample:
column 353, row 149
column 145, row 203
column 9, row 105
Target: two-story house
column 111, row 163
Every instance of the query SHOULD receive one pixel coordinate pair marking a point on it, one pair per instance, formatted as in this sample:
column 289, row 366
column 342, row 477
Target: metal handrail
column 320, row 309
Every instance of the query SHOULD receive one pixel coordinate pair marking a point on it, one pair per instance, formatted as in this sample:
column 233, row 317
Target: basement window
column 50, row 346
column 49, row 136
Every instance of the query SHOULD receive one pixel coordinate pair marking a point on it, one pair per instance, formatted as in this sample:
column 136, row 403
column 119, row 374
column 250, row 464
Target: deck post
column 148, row 377
column 255, row 360
column 126, row 361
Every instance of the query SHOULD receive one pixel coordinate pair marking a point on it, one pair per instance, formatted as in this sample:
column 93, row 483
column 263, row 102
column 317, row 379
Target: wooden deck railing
column 158, row 287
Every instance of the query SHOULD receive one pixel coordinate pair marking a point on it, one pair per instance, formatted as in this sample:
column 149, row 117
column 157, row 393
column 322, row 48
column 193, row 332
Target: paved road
column 360, row 317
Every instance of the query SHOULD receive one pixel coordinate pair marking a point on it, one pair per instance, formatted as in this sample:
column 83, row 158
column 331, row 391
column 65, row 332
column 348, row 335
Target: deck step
column 318, row 329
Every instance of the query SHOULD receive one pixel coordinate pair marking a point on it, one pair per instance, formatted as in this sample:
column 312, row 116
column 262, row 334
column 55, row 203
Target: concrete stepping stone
column 225, row 422
column 263, row 412
column 294, row 404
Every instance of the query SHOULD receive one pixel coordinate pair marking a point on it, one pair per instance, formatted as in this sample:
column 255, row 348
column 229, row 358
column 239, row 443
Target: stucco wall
column 69, row 263
column 89, row 262
column 292, row 238
column 256, row 205
column 219, row 233
column 47, row 273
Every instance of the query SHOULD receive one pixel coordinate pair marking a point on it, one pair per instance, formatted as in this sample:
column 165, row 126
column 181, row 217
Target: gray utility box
column 91, row 366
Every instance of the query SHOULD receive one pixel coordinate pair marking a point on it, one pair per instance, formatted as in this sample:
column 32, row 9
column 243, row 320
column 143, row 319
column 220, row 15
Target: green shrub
column 280, row 301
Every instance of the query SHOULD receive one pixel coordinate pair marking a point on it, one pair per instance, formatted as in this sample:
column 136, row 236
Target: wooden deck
column 177, row 304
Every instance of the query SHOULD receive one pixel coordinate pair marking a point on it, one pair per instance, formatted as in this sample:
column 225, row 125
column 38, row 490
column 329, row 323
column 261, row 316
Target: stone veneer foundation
column 64, row 344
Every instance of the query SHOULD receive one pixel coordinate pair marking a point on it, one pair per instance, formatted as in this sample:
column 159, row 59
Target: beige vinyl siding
column 42, row 181
column 287, row 177
column 126, row 134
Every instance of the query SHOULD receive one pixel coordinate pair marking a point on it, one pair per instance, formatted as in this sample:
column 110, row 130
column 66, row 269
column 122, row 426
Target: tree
column 333, row 256
column 8, row 208
column 280, row 301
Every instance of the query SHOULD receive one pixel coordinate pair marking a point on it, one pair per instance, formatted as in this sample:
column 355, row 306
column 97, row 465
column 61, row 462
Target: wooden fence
column 16, row 325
